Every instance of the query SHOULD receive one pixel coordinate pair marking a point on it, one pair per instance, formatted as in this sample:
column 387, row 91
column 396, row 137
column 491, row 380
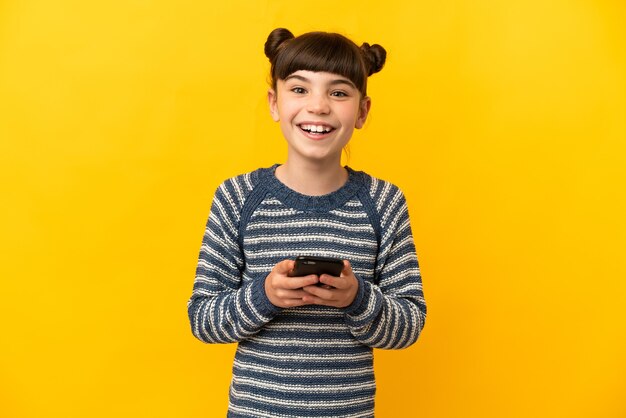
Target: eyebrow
column 332, row 82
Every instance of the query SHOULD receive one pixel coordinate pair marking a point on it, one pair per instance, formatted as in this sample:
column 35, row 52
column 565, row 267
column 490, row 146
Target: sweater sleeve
column 390, row 313
column 224, row 308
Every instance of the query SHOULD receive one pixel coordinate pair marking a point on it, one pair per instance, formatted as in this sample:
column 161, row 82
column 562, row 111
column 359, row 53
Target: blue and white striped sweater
column 311, row 361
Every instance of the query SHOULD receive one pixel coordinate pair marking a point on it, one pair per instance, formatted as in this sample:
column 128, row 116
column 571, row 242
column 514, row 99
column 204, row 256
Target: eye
column 339, row 93
column 298, row 90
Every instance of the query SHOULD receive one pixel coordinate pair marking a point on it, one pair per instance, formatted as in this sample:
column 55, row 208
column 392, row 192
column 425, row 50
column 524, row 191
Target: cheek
column 351, row 115
column 287, row 110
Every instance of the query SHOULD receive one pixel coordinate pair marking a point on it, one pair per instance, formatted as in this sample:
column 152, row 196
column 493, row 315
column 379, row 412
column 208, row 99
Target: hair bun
column 375, row 56
column 275, row 39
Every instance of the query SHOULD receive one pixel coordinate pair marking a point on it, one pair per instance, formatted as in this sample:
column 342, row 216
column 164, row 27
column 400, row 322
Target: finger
column 313, row 300
column 299, row 282
column 292, row 303
column 284, row 267
column 320, row 292
column 344, row 282
column 347, row 268
column 290, row 294
column 333, row 282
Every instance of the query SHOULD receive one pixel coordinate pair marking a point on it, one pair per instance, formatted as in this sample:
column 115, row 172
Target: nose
column 318, row 104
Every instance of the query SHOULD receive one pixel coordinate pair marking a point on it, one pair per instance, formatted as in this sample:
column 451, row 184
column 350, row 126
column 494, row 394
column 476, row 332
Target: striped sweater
column 310, row 361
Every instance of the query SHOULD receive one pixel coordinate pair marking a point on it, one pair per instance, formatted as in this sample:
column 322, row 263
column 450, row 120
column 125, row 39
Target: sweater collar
column 323, row 203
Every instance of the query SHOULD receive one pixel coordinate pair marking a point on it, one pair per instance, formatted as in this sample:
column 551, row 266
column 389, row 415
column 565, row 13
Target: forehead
column 318, row 77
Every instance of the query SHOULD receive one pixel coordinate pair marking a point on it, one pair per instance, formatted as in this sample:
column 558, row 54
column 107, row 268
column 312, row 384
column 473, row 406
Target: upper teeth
column 316, row 128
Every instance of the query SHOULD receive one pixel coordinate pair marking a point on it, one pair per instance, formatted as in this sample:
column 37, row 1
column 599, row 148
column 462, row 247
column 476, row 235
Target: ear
column 271, row 100
column 364, row 109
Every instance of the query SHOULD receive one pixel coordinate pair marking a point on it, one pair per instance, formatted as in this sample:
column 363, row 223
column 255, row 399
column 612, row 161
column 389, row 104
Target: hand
column 337, row 291
column 284, row 291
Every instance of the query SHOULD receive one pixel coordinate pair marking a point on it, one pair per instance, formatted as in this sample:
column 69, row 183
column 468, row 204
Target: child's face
column 318, row 112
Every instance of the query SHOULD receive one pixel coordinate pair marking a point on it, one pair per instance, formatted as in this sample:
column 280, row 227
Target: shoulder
column 381, row 191
column 234, row 192
column 388, row 203
column 239, row 187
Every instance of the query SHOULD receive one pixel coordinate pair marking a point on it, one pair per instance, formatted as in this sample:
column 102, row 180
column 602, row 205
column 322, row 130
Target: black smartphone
column 307, row 264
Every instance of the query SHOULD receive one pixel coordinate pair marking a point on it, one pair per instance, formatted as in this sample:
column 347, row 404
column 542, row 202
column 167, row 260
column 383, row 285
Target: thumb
column 347, row 268
column 284, row 267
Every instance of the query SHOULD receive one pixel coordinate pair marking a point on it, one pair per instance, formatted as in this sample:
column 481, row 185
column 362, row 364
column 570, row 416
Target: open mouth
column 316, row 129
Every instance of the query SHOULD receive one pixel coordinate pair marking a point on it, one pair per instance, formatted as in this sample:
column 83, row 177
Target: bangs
column 319, row 51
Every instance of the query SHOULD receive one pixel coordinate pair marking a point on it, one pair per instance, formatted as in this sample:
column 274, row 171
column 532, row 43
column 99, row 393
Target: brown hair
column 322, row 51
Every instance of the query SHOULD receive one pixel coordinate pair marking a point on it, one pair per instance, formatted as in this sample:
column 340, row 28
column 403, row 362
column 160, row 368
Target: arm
column 391, row 312
column 223, row 308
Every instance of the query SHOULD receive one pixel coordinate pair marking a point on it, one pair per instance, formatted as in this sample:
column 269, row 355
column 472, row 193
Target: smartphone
column 307, row 264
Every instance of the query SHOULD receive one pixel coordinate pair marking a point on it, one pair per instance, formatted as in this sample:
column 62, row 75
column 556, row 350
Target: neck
column 312, row 179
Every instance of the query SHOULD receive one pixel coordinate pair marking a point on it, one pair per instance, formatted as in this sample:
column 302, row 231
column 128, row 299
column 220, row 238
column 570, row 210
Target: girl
column 305, row 343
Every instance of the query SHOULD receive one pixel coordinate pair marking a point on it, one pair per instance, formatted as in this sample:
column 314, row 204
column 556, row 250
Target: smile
column 316, row 129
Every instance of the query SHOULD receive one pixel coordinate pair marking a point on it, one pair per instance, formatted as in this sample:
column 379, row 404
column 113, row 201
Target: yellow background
column 503, row 121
